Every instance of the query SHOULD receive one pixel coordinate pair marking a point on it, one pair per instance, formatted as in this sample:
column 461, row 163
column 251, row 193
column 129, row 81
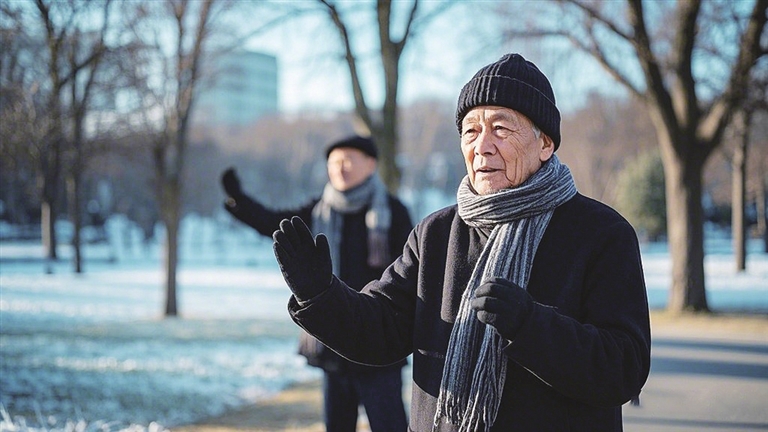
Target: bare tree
column 19, row 109
column 383, row 125
column 90, row 46
column 167, row 78
column 742, row 129
column 759, row 167
column 171, row 144
column 739, row 188
column 690, row 111
column 52, row 143
column 48, row 103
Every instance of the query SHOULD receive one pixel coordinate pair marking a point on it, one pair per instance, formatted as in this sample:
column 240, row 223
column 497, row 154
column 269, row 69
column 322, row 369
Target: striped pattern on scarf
column 475, row 366
column 328, row 218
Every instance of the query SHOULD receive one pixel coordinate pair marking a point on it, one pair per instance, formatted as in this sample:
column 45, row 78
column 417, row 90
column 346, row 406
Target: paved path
column 704, row 380
column 708, row 374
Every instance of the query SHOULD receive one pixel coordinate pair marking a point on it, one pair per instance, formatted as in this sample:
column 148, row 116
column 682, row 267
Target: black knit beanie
column 365, row 145
column 513, row 82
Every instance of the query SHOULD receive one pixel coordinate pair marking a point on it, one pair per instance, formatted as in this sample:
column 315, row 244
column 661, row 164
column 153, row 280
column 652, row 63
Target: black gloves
column 503, row 305
column 231, row 183
column 305, row 262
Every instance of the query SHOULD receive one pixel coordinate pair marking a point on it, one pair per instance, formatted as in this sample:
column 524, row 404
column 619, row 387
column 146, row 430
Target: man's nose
column 484, row 144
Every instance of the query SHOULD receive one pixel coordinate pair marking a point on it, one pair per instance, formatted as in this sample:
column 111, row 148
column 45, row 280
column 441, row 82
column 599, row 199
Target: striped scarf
column 475, row 366
column 328, row 218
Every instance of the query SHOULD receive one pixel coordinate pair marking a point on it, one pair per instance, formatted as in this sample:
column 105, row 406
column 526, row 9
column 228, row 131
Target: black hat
column 513, row 82
column 365, row 145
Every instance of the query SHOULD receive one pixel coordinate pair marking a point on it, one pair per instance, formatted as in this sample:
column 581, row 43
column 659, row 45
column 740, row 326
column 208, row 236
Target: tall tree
column 21, row 131
column 751, row 138
column 62, row 26
column 171, row 48
column 382, row 124
column 86, row 46
column 668, row 55
column 54, row 18
column 171, row 145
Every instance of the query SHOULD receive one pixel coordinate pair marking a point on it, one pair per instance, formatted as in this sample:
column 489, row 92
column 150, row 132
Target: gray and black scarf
column 475, row 366
column 328, row 217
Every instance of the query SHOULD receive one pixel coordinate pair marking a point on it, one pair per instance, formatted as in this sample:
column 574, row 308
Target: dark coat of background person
column 368, row 228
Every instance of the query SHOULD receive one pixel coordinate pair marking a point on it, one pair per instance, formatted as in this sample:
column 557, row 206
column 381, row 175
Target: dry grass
column 729, row 325
column 297, row 409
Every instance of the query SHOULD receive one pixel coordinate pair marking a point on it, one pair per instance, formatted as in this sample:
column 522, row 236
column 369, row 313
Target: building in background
column 242, row 88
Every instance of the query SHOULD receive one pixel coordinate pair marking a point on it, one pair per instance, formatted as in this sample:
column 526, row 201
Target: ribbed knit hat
column 513, row 82
column 365, row 145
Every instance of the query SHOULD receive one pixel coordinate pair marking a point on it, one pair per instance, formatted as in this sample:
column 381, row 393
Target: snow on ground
column 94, row 348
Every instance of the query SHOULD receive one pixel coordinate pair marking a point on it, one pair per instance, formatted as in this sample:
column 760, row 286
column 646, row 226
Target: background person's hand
column 231, row 183
column 502, row 304
column 304, row 261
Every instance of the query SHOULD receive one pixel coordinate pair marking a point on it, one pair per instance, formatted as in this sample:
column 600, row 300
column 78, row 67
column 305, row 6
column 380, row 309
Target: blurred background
column 118, row 118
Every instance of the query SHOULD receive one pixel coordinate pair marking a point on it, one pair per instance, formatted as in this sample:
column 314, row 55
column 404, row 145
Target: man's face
column 349, row 167
column 500, row 148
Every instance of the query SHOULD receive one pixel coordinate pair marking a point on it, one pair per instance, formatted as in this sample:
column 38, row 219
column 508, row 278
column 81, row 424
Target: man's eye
column 502, row 130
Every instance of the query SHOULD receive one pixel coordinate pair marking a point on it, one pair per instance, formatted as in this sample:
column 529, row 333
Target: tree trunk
column 48, row 209
column 47, row 230
column 171, row 264
column 388, row 169
column 390, row 58
column 762, row 214
column 73, row 190
column 171, row 210
column 739, row 191
column 686, row 231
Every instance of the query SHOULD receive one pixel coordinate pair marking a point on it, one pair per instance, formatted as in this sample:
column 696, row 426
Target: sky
column 435, row 64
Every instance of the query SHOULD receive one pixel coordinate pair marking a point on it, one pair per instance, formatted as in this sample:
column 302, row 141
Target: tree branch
column 685, row 86
column 718, row 116
column 408, row 25
column 597, row 15
column 591, row 47
column 654, row 81
column 361, row 108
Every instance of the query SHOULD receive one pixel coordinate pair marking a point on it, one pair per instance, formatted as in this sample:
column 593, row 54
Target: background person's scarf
column 475, row 366
column 328, row 218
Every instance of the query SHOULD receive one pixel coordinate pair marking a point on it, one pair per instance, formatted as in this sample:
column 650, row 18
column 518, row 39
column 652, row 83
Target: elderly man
column 524, row 306
column 368, row 228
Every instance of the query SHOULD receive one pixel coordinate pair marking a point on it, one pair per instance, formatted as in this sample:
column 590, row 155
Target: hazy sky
column 434, row 65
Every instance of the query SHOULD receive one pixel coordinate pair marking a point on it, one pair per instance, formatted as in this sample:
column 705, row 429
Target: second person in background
column 367, row 229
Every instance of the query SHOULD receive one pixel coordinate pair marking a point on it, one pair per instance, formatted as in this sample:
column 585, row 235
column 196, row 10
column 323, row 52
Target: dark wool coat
column 583, row 351
column 353, row 268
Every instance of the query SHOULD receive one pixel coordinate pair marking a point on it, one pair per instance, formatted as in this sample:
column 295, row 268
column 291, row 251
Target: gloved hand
column 231, row 183
column 502, row 304
column 305, row 262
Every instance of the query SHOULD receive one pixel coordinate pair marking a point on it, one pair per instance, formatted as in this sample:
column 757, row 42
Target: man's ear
column 547, row 148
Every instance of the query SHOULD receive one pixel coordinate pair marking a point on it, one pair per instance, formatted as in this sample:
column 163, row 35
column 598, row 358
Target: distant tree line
column 609, row 145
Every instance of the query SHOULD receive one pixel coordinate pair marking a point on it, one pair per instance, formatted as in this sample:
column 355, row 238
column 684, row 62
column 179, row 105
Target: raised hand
column 304, row 261
column 231, row 183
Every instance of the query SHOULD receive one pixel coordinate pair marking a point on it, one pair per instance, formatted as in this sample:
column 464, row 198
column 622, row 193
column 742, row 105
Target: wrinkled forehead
column 494, row 113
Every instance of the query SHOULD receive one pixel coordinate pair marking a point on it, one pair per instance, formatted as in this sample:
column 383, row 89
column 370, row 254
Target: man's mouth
column 486, row 170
